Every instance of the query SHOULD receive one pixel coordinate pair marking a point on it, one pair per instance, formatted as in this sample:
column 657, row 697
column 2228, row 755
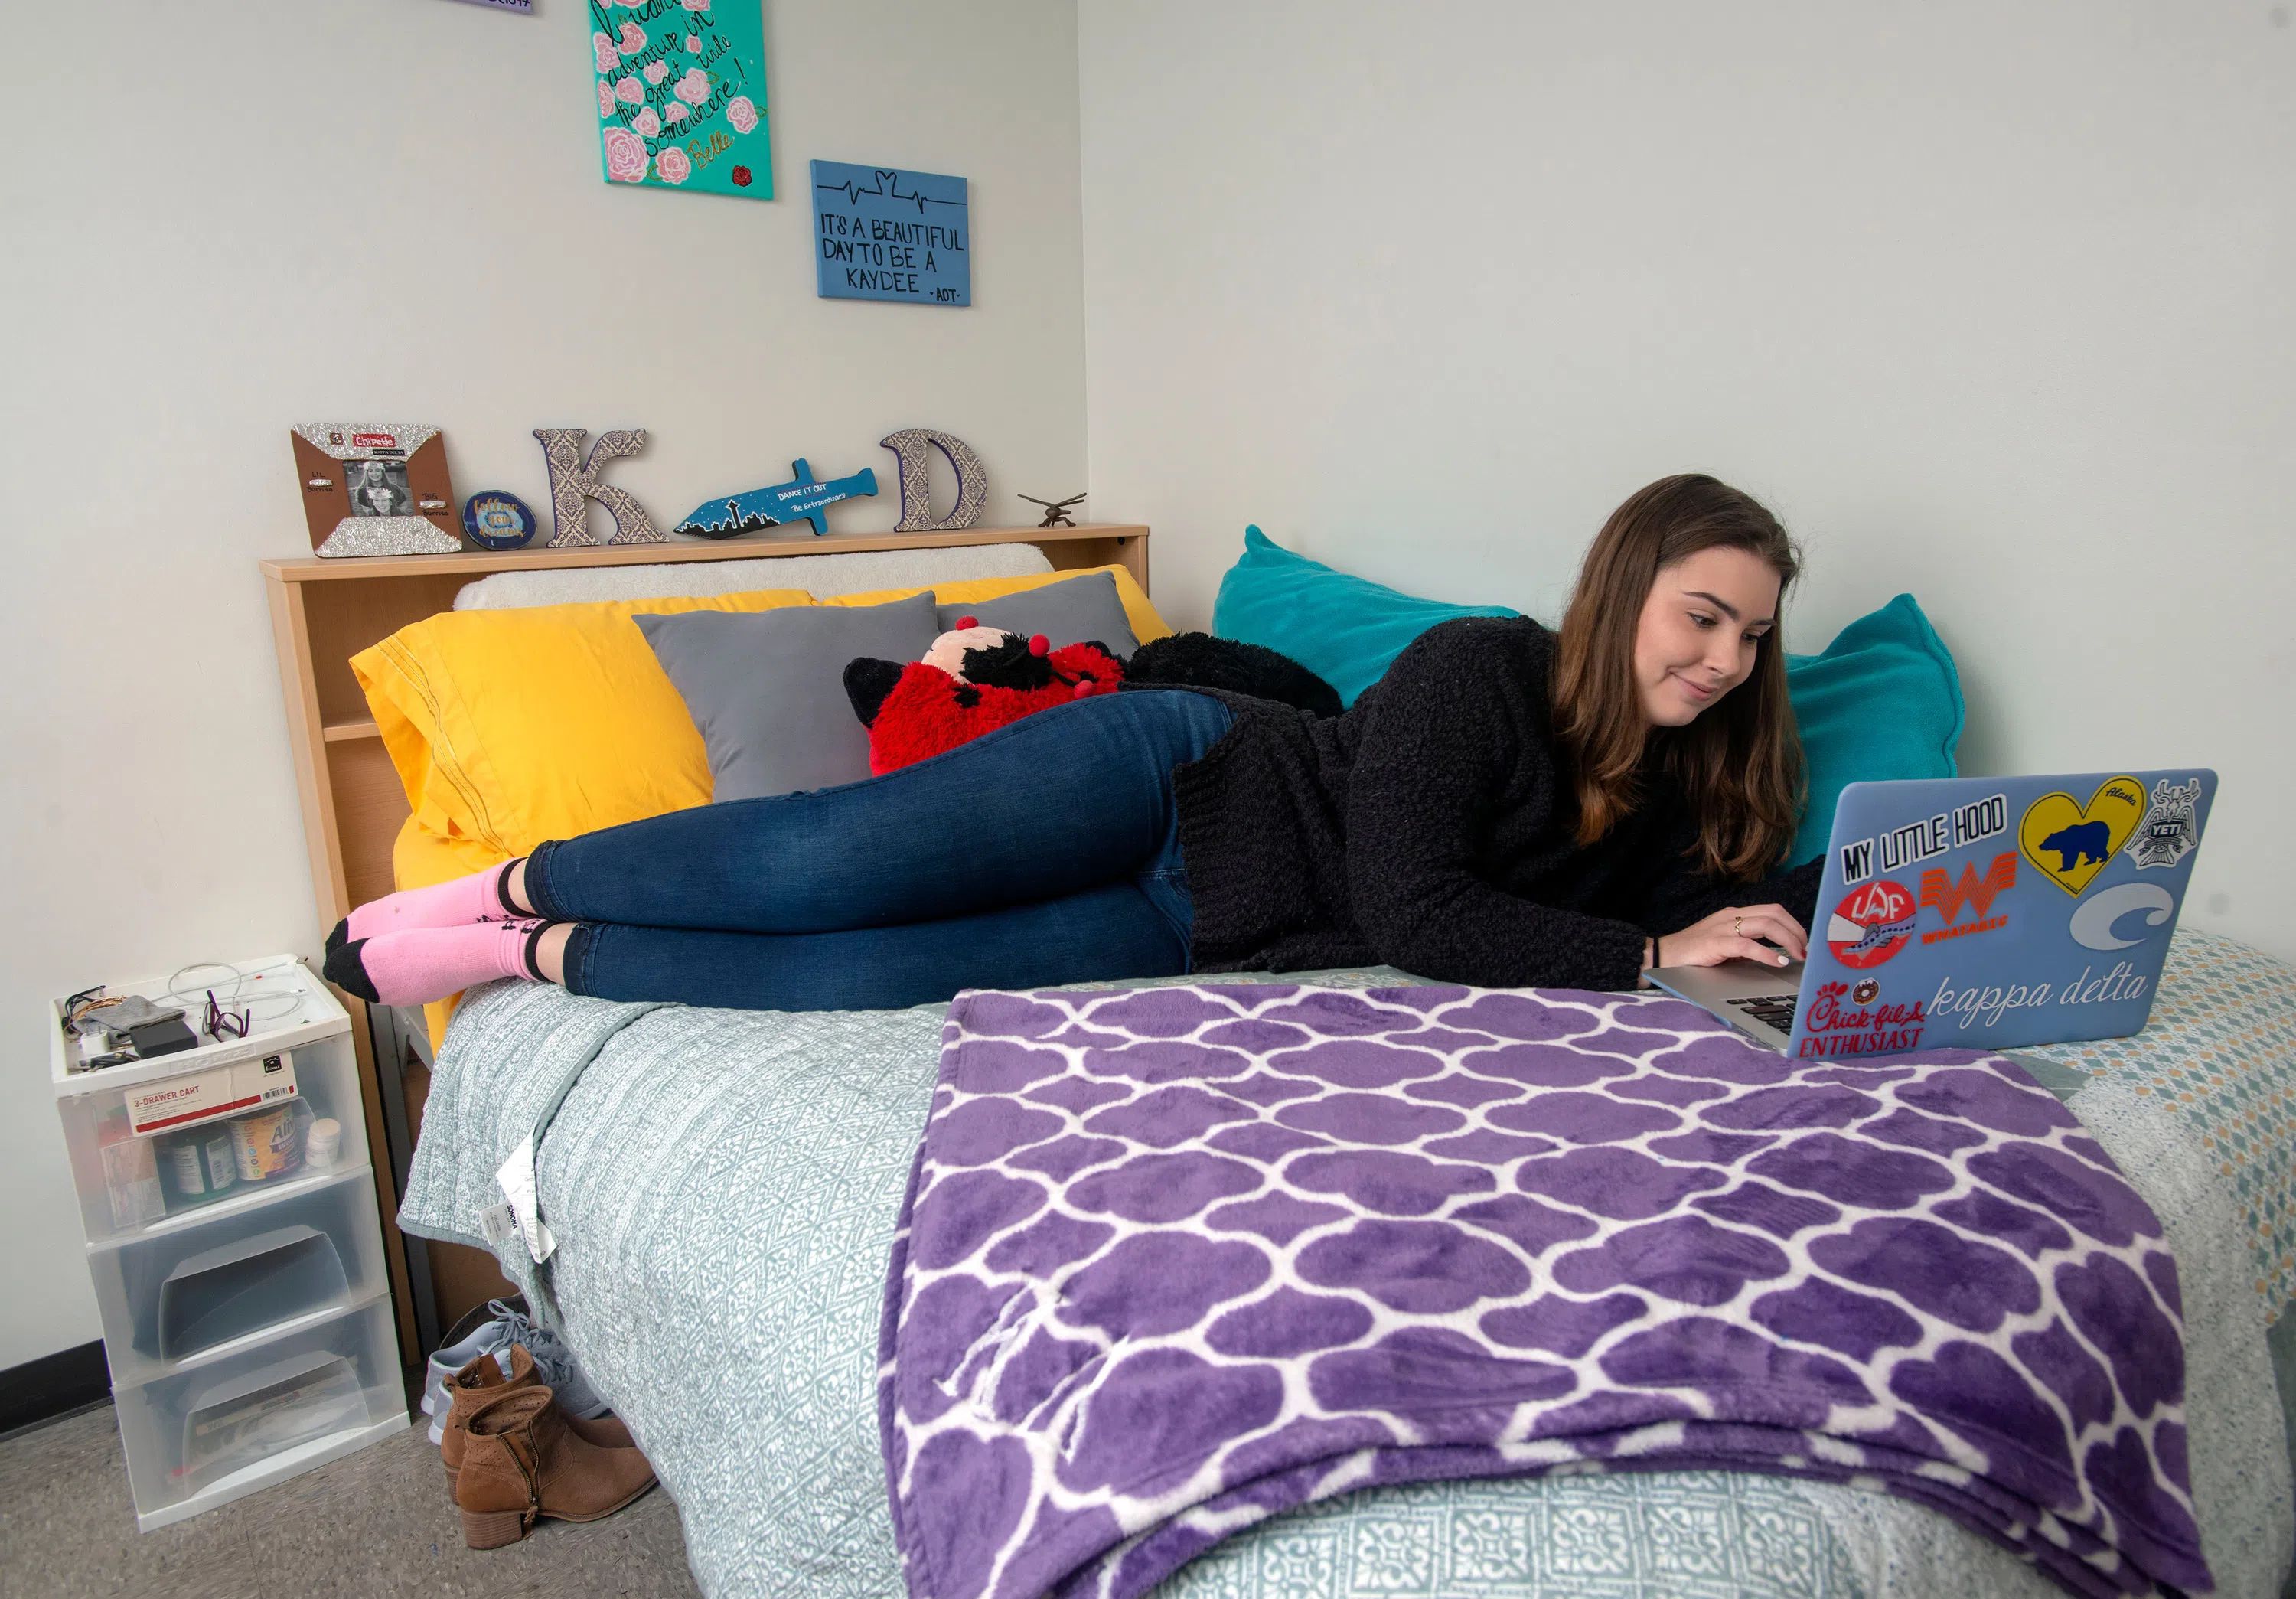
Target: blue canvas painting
column 881, row 233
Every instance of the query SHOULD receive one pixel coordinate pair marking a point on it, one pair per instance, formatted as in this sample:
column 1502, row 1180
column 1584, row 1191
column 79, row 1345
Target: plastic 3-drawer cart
column 238, row 1261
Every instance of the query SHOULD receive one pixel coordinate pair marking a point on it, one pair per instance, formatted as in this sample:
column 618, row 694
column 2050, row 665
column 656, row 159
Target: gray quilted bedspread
column 722, row 1188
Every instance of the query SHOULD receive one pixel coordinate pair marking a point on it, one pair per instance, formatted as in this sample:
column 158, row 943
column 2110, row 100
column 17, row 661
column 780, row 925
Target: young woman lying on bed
column 1507, row 806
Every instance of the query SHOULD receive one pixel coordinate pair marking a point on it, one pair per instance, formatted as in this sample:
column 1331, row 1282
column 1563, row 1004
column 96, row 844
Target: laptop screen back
column 1993, row 912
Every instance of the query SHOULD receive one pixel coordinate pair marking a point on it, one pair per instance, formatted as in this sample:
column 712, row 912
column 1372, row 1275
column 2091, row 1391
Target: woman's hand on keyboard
column 1735, row 933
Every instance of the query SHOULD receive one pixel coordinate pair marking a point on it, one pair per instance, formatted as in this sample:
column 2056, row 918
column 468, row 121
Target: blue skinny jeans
column 1047, row 851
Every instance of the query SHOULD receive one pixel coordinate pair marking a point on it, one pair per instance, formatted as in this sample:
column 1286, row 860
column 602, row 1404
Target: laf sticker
column 1870, row 924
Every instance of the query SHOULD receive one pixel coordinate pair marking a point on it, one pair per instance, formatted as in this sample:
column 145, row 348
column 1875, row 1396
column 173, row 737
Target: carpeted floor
column 376, row 1523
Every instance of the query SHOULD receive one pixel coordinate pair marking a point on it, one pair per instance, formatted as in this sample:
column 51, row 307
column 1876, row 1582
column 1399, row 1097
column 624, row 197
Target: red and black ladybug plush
column 977, row 678
column 971, row 681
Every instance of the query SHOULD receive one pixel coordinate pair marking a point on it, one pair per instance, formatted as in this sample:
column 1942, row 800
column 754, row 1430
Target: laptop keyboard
column 1772, row 1009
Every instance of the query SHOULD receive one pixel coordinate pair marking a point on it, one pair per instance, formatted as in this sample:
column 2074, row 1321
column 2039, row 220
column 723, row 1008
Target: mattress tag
column 517, row 1180
column 499, row 1223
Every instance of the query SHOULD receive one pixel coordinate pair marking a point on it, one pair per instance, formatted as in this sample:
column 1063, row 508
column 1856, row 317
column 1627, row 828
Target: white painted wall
column 1989, row 302
column 217, row 220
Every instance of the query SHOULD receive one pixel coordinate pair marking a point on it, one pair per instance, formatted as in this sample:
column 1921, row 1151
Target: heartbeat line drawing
column 887, row 187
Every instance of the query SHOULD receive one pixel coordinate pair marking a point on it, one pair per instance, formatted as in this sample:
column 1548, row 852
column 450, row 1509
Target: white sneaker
column 554, row 1363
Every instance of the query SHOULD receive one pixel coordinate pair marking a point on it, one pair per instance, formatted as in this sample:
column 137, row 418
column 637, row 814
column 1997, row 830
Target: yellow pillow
column 1145, row 623
column 509, row 727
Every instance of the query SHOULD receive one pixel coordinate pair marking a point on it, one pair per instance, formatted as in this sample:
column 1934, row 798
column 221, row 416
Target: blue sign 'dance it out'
column 884, row 234
column 803, row 500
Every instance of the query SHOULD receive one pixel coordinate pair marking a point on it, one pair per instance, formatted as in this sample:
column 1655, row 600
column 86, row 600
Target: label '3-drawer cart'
column 234, row 1239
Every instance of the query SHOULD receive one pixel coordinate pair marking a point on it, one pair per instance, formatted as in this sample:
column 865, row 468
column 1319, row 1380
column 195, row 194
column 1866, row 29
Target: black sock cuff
column 502, row 889
column 538, row 900
column 526, row 951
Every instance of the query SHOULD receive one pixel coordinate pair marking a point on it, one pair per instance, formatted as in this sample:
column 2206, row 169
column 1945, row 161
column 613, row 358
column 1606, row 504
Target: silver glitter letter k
column 574, row 481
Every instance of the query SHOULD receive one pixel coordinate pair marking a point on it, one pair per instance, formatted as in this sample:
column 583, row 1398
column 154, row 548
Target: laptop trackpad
column 1731, row 980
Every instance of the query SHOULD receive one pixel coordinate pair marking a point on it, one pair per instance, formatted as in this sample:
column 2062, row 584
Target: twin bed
column 727, row 1191
column 724, row 1187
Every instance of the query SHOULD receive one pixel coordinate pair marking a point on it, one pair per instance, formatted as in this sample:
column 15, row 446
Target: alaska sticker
column 1870, row 924
column 2070, row 843
column 2170, row 828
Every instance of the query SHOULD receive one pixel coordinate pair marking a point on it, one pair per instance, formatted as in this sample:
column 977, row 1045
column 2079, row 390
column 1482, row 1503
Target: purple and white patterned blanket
column 1175, row 1259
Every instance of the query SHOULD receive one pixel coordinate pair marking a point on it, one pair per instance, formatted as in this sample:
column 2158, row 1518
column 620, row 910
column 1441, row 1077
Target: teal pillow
column 1882, row 702
column 1344, row 629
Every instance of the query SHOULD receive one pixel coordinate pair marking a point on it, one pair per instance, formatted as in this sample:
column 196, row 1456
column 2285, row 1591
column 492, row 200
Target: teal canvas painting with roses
column 682, row 94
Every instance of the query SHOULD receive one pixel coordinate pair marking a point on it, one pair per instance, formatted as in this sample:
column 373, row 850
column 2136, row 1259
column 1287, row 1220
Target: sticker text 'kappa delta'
column 1985, row 1005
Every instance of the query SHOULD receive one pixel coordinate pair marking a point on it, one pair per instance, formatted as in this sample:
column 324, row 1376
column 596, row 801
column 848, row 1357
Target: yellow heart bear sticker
column 2070, row 843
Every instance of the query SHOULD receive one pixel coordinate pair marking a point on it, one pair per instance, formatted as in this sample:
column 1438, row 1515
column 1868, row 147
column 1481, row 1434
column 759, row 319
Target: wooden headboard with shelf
column 323, row 613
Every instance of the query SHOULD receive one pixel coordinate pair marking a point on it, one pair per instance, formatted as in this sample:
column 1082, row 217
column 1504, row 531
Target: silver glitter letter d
column 573, row 480
column 917, row 488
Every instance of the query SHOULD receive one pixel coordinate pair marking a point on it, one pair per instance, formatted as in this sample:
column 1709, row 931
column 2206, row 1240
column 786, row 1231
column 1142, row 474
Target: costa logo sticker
column 2100, row 920
column 1870, row 924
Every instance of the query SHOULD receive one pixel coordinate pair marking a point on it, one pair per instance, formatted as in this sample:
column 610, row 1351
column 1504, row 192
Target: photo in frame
column 374, row 489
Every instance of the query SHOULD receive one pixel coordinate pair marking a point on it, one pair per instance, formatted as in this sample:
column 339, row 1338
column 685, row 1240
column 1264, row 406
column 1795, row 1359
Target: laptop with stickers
column 1978, row 913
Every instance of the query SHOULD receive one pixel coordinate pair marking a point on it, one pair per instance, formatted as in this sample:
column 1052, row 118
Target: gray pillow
column 768, row 688
column 1068, row 612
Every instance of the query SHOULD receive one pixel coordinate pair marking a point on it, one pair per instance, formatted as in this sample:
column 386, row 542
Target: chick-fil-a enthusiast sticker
column 1870, row 924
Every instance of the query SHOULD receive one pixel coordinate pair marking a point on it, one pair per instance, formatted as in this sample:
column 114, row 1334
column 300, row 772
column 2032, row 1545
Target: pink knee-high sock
column 424, row 963
column 478, row 898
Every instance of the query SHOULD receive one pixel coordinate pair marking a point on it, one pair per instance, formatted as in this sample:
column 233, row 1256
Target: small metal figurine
column 1056, row 511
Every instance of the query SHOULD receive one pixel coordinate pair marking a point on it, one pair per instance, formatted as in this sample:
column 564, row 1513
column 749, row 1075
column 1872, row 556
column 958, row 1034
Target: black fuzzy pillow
column 1200, row 660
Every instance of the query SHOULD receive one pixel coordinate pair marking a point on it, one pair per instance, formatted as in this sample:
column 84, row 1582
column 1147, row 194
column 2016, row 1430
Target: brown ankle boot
column 522, row 1460
column 481, row 1382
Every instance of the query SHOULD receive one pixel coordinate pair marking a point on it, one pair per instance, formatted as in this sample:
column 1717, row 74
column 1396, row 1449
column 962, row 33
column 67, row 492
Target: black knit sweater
column 1431, row 827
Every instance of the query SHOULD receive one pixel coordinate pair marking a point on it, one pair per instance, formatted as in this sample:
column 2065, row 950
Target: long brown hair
column 1740, row 764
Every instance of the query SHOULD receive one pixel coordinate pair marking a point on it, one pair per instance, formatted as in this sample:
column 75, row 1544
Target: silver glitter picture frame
column 374, row 489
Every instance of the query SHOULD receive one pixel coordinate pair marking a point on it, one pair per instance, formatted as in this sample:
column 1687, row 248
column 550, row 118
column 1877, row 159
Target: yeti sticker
column 2170, row 828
